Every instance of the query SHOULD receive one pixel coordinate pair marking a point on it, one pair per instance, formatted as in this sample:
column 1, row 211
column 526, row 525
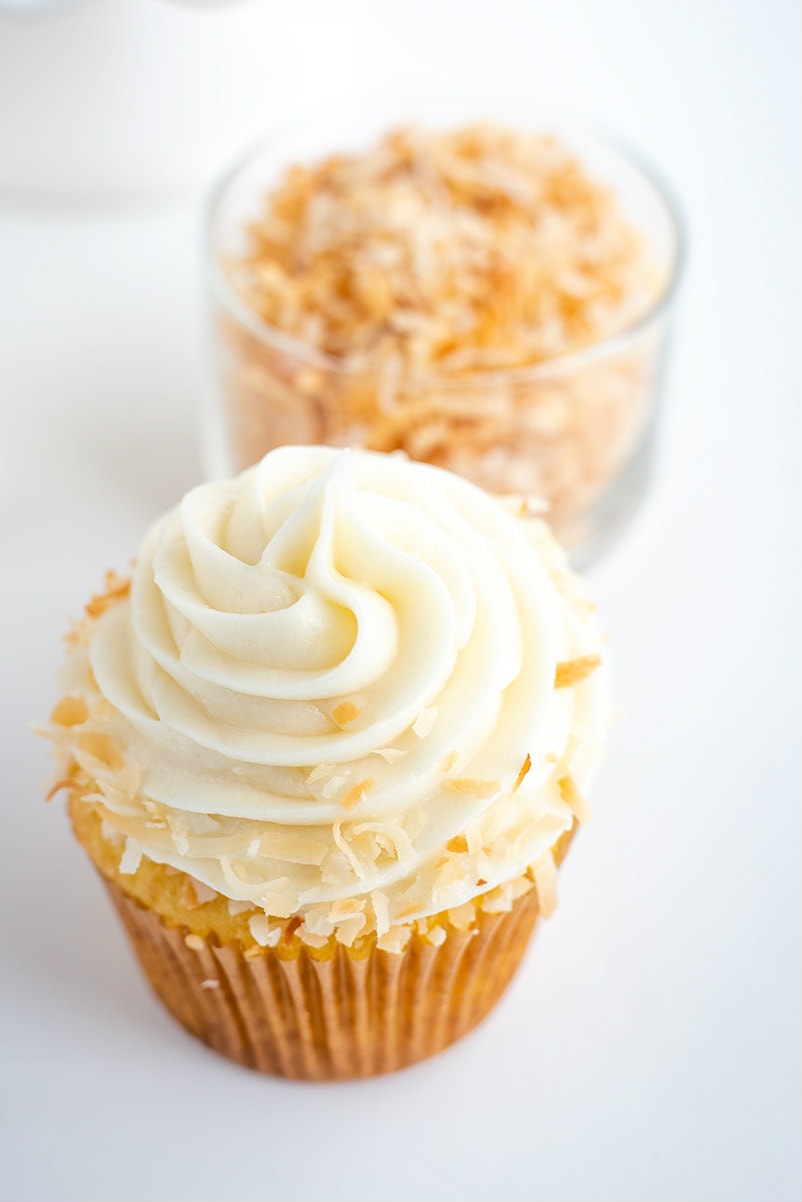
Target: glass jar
column 576, row 430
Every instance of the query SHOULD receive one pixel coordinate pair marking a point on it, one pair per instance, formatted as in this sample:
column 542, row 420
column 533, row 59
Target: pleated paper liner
column 332, row 1013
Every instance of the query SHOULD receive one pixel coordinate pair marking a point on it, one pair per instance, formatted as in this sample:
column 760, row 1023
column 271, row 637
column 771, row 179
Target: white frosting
column 326, row 670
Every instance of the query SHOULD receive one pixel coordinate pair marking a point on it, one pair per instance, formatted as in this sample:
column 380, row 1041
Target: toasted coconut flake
column 394, row 940
column 109, row 832
column 345, row 712
column 66, row 783
column 356, row 793
column 263, row 933
column 78, row 634
column 194, row 893
column 278, row 899
column 204, row 892
column 449, row 762
column 470, row 787
column 70, row 711
column 496, row 903
column 100, row 747
column 310, row 938
column 316, row 919
column 131, row 858
column 292, row 926
column 572, row 797
column 423, row 724
column 571, row 671
column 458, row 844
column 436, row 935
column 115, row 589
column 319, row 773
column 473, row 835
column 236, row 907
column 346, row 849
column 500, row 899
column 521, row 885
column 453, row 870
column 350, row 929
column 381, row 911
column 463, row 918
column 194, row 942
column 391, row 754
column 345, row 907
column 390, row 837
column 524, row 505
column 179, row 831
column 333, row 785
column 544, row 873
column 499, row 850
column 335, row 870
column 253, row 952
column 522, row 771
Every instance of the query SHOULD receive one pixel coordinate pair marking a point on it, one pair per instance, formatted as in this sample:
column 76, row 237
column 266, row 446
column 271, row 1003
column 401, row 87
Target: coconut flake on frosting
column 344, row 687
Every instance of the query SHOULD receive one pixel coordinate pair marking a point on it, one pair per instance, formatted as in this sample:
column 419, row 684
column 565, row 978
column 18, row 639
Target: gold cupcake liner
column 334, row 1013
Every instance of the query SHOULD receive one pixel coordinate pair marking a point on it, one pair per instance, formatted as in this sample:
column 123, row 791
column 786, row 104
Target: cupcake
column 326, row 748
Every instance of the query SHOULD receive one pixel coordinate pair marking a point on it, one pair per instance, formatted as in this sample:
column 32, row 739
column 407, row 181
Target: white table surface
column 649, row 1050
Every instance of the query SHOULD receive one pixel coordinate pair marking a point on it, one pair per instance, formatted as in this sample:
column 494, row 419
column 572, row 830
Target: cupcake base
column 329, row 1014
column 315, row 1014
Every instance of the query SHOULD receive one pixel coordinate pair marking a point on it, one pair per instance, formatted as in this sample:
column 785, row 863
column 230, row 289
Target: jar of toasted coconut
column 489, row 297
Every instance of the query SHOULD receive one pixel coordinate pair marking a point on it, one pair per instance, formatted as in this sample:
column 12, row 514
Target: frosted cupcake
column 326, row 749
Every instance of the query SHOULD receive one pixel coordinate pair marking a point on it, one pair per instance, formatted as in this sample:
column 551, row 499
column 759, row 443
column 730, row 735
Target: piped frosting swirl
column 331, row 691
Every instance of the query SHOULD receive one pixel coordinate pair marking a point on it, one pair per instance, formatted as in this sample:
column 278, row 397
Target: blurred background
column 650, row 1047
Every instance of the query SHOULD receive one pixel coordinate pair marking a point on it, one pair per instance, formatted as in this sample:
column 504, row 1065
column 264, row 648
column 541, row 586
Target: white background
column 649, row 1050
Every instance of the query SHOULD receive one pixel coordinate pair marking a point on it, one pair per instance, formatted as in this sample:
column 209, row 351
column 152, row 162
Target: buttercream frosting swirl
column 332, row 690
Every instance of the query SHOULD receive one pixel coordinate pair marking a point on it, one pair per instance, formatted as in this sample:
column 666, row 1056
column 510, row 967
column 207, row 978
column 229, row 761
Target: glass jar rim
column 553, row 366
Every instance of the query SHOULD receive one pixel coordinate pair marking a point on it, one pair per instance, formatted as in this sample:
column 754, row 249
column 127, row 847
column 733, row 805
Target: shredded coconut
column 430, row 256
column 391, row 754
column 572, row 797
column 545, row 878
column 345, row 712
column 381, row 912
column 572, row 671
column 395, row 940
column 422, row 726
column 356, row 793
column 346, row 849
column 131, row 858
column 264, row 934
column 473, row 788
column 70, row 711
